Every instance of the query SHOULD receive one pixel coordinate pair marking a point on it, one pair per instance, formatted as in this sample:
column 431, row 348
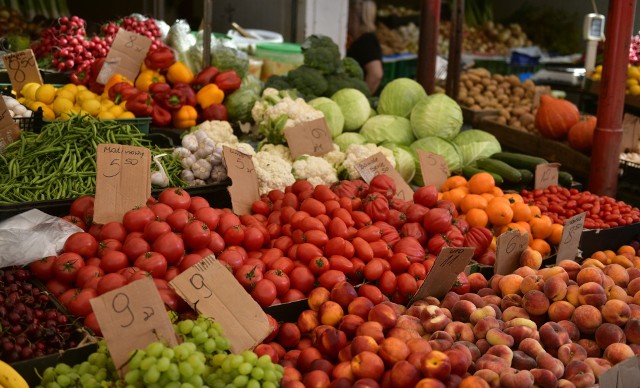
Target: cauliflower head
column 274, row 173
column 358, row 152
column 314, row 169
column 218, row 131
column 278, row 149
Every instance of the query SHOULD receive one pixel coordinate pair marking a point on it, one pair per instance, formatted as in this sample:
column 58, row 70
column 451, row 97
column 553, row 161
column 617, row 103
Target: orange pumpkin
column 580, row 135
column 555, row 116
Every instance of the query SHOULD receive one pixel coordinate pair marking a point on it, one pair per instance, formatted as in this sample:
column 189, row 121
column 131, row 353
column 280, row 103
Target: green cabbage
column 344, row 140
column 332, row 114
column 475, row 144
column 405, row 164
column 436, row 115
column 355, row 107
column 400, row 96
column 439, row 146
column 386, row 128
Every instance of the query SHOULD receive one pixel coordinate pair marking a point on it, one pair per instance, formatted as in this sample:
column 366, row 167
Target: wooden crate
column 473, row 117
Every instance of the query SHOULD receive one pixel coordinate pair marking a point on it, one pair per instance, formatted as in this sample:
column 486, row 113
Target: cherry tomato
column 135, row 220
column 171, row 246
column 82, row 243
column 43, row 268
column 152, row 262
column 114, row 261
column 177, row 198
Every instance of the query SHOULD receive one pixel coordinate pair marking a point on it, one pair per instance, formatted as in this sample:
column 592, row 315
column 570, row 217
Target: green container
column 278, row 58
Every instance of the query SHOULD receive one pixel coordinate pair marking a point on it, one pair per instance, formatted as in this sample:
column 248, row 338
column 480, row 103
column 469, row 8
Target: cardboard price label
column 131, row 317
column 9, row 129
column 376, row 165
column 244, row 180
column 625, row 374
column 311, row 138
column 509, row 247
column 212, row 290
column 123, row 180
column 546, row 175
column 125, row 57
column 571, row 233
column 22, row 68
column 434, row 167
column 449, row 263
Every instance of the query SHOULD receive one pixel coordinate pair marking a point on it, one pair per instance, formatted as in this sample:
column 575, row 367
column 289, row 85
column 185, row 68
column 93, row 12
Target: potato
column 501, row 120
column 527, row 119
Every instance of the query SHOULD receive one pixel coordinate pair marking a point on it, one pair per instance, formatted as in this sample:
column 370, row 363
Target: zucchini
column 516, row 160
column 501, row 168
column 527, row 176
column 469, row 171
column 565, row 179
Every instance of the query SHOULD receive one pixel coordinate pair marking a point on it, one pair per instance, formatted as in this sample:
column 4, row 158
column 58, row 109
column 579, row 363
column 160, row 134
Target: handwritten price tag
column 509, row 247
column 571, row 233
column 434, row 167
column 311, row 138
column 9, row 129
column 22, row 68
column 377, row 164
column 132, row 317
column 212, row 290
column 244, row 180
column 125, row 57
column 546, row 175
column 123, row 180
column 449, row 263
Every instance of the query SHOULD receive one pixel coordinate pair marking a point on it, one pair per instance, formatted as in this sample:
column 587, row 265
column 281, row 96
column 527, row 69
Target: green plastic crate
column 399, row 66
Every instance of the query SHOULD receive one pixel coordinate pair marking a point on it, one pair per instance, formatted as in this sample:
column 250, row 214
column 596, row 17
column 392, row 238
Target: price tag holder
column 132, row 317
column 434, row 167
column 9, row 129
column 123, row 180
column 546, row 175
column 311, row 138
column 22, row 68
column 449, row 263
column 125, row 57
column 212, row 290
column 571, row 233
column 244, row 180
column 509, row 247
column 377, row 164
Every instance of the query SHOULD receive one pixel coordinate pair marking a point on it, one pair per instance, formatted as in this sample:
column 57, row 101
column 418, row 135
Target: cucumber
column 501, row 168
column 565, row 179
column 527, row 176
column 469, row 171
column 516, row 160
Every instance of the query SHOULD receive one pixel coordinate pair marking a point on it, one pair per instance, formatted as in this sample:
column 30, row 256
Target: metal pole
column 206, row 37
column 428, row 49
column 455, row 49
column 605, row 157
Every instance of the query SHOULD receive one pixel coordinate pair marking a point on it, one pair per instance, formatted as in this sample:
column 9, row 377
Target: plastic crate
column 398, row 66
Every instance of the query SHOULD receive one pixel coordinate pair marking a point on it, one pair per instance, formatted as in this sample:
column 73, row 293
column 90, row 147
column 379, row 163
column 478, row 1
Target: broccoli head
column 342, row 81
column 308, row 81
column 321, row 53
column 278, row 82
column 352, row 68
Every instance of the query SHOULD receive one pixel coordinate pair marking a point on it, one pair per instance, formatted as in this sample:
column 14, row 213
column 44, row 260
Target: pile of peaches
column 559, row 326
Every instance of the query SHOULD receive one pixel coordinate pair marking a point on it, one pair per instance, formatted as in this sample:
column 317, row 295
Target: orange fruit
column 600, row 256
column 541, row 226
column 481, row 182
column 610, row 254
column 556, row 234
column 541, row 246
column 497, row 192
column 477, row 217
column 487, row 196
column 456, row 195
column 521, row 211
column 472, row 201
column 499, row 211
column 454, row 181
column 626, row 249
column 535, row 211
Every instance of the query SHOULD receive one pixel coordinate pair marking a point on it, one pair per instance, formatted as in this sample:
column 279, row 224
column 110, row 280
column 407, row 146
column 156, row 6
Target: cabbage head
column 400, row 96
column 439, row 146
column 405, row 164
column 475, row 144
column 386, row 128
column 436, row 115
column 354, row 106
column 332, row 114
column 344, row 140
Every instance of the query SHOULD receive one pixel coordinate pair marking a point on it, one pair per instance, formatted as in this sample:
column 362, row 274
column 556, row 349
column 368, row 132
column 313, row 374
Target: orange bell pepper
column 179, row 72
column 185, row 117
column 209, row 94
column 148, row 77
column 116, row 78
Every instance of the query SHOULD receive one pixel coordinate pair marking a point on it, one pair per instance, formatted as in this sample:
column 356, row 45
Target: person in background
column 362, row 44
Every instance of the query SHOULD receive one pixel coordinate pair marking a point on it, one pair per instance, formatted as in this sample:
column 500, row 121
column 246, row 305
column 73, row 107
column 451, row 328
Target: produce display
column 633, row 77
column 489, row 38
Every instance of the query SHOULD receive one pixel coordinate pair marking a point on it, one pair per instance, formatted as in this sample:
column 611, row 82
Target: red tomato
column 311, row 223
column 227, row 220
column 79, row 304
column 171, row 246
column 128, row 272
column 461, row 224
column 338, row 228
column 171, row 300
column 275, row 195
column 93, row 283
column 313, row 207
column 480, row 238
column 108, row 245
column 363, row 249
column 335, row 246
column 300, row 186
column 381, row 249
column 216, row 243
column 114, row 261
column 407, row 285
column 411, row 247
column 342, row 264
column 91, row 322
column 94, row 230
column 399, row 263
column 188, row 261
column 389, row 233
column 179, row 219
column 197, row 203
column 82, row 243
column 43, row 268
column 234, row 235
column 345, row 216
column 452, row 238
column 331, row 278
column 426, row 196
column 371, row 292
column 283, row 264
column 414, row 229
column 66, row 267
column 56, row 287
column 437, row 220
column 384, row 185
column 139, row 275
column 360, row 219
column 264, row 292
column 86, row 273
column 332, row 205
column 196, row 235
column 316, row 237
column 376, row 206
column 461, row 285
column 261, row 207
column 135, row 219
column 112, row 230
column 154, row 229
column 95, row 261
column 283, row 243
column 255, row 261
column 302, row 279
column 297, row 218
column 418, row 270
column 248, row 276
column 233, row 258
column 66, row 296
column 449, row 206
column 396, row 218
column 292, row 295
column 388, row 283
column 171, row 273
column 209, row 216
column 133, row 235
column 134, row 247
column 324, row 194
column 369, row 233
column 416, row 212
column 177, row 198
column 319, row 265
column 81, row 205
column 76, row 221
column 345, row 188
column 374, row 269
column 161, row 210
column 307, row 252
column 280, row 280
column 152, row 262
column 253, row 238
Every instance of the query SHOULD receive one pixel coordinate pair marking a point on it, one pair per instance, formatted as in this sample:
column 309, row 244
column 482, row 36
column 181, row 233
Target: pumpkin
column 580, row 135
column 555, row 116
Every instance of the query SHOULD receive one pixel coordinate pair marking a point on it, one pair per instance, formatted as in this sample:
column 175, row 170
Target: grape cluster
column 205, row 334
column 634, row 50
column 244, row 370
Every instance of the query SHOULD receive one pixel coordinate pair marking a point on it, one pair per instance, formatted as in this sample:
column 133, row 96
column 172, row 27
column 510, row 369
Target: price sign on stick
column 449, row 263
column 123, row 180
column 377, row 164
column 212, row 290
column 22, row 69
column 125, row 57
column 311, row 138
column 131, row 317
column 571, row 233
column 509, row 247
column 244, row 180
column 9, row 129
column 434, row 167
column 546, row 175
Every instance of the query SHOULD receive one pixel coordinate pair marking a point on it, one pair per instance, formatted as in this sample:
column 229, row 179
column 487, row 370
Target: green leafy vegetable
column 436, row 115
column 400, row 96
column 387, row 128
column 332, row 114
column 440, row 146
column 475, row 144
column 346, row 139
column 405, row 164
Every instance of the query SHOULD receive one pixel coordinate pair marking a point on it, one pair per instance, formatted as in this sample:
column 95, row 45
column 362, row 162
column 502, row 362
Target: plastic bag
column 32, row 235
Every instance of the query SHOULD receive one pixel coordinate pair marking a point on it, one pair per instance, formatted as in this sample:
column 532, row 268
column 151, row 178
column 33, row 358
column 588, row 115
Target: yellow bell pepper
column 208, row 95
column 185, row 117
column 146, row 78
column 179, row 72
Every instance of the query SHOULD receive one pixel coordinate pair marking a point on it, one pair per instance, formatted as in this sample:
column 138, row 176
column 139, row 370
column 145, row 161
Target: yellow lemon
column 29, row 90
column 107, row 104
column 633, row 72
column 67, row 94
column 116, row 110
column 37, row 104
column 635, row 90
column 85, row 95
column 61, row 105
column 81, row 88
column 64, row 116
column 106, row 115
column 46, row 93
column 72, row 88
column 598, row 69
column 631, row 81
column 596, row 77
column 92, row 106
column 126, row 115
column 47, row 113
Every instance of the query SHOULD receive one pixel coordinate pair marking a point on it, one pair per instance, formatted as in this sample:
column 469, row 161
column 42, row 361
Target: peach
column 531, row 282
column 555, row 288
column 616, row 312
column 316, row 378
column 592, row 293
column 498, row 337
column 517, row 379
column 518, row 333
column 521, row 322
column 460, row 360
column 514, row 312
column 633, row 273
column 635, row 310
column 343, row 293
column 436, row 365
column 497, row 310
column 510, row 284
column 590, row 274
column 483, row 345
column 522, row 360
column 635, row 348
column 477, row 281
column 608, row 334
column 449, row 300
column 560, row 310
column 531, row 258
column 398, row 308
column 491, row 299
column 331, row 341
column 418, row 345
column 360, row 306
column 535, row 302
column 592, row 348
column 548, row 362
column 510, row 300
column 433, row 319
column 344, row 354
column 502, row 351
column 570, row 352
column 317, row 297
column 543, row 377
column 492, row 378
column 367, row 365
column 553, row 335
column 494, row 282
column 531, row 347
column 571, row 268
column 363, row 343
column 427, row 382
column 564, row 383
column 525, row 271
column 440, row 340
column 598, row 365
column 404, row 375
column 462, row 310
column 410, row 323
column 307, row 321
column 617, row 352
column 492, row 362
column 486, row 311
column 342, row 370
column 632, row 331
column 473, row 382
column 371, row 329
column 468, row 348
column 416, row 358
column 393, row 350
column 403, row 334
column 460, row 331
column 487, row 291
column 571, row 328
column 384, row 314
column 554, row 271
column 573, row 291
column 481, row 328
column 580, row 374
column 475, row 299
column 634, row 286
column 588, row 318
column 416, row 309
column 350, row 324
column 618, row 273
column 330, row 313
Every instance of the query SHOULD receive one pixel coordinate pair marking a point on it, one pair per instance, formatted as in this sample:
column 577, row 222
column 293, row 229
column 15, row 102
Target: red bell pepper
column 82, row 74
column 171, row 100
column 159, row 59
column 187, row 91
column 92, row 82
column 204, row 77
column 228, row 81
column 215, row 112
column 160, row 117
column 158, row 88
column 121, row 91
column 140, row 104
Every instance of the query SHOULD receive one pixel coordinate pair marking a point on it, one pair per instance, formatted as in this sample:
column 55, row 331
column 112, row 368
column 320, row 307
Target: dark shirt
column 365, row 49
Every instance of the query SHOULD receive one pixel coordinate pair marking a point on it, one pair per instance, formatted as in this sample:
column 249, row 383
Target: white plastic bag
column 32, row 235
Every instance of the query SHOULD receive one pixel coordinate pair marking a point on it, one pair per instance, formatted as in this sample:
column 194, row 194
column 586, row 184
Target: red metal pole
column 452, row 85
column 428, row 49
column 605, row 157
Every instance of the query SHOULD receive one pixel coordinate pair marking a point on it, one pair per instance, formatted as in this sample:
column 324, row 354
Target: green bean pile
column 60, row 161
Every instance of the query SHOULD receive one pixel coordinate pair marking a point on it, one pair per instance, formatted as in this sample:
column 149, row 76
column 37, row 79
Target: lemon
column 64, row 116
column 635, row 90
column 85, row 95
column 92, row 106
column 126, row 115
column 47, row 113
column 116, row 110
column 37, row 104
column 66, row 94
column 46, row 93
column 596, row 77
column 106, row 104
column 61, row 105
column 633, row 72
column 81, row 88
column 631, row 81
column 29, row 90
column 106, row 115
column 72, row 88
column 598, row 69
